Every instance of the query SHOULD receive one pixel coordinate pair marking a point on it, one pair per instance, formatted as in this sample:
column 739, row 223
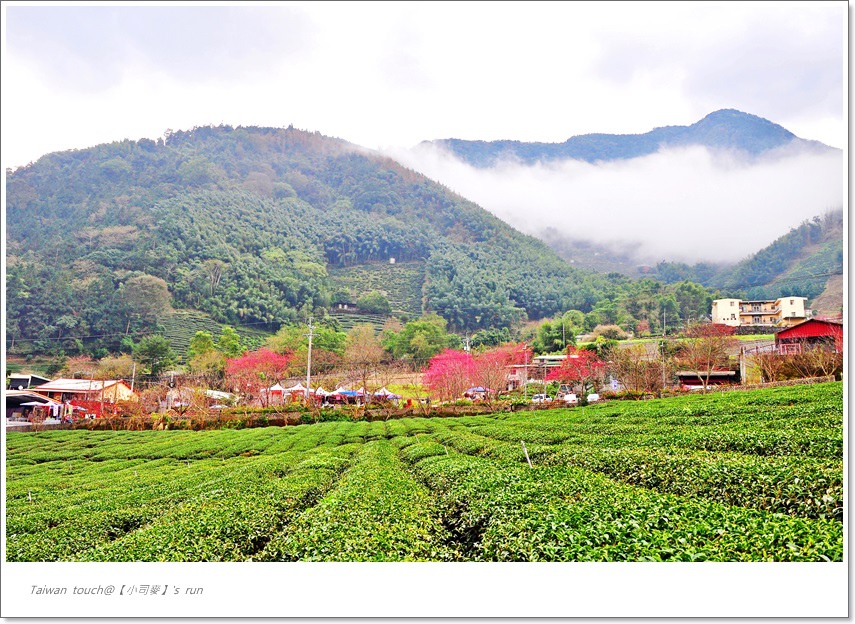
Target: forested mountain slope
column 725, row 128
column 244, row 224
column 805, row 262
column 800, row 262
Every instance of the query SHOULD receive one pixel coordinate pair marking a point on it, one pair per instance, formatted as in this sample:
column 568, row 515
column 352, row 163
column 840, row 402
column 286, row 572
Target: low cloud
column 688, row 204
column 90, row 49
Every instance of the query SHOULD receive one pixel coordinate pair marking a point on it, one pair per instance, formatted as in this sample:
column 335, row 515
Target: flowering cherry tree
column 255, row 371
column 580, row 367
column 450, row 373
column 491, row 367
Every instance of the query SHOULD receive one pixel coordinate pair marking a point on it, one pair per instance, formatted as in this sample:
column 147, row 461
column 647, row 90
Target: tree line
column 244, row 225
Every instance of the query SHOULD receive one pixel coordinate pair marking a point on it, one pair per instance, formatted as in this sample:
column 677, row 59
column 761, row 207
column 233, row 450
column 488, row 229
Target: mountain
column 807, row 261
column 252, row 226
column 723, row 129
column 796, row 260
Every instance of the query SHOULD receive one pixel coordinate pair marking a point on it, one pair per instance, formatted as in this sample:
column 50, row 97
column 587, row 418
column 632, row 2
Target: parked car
column 570, row 399
column 541, row 398
column 593, row 398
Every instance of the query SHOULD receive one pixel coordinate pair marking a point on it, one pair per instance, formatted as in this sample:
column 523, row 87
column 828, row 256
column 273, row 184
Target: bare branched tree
column 705, row 349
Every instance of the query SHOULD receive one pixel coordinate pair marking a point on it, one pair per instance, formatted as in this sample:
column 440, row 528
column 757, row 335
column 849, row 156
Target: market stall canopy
column 298, row 387
column 348, row 393
column 383, row 393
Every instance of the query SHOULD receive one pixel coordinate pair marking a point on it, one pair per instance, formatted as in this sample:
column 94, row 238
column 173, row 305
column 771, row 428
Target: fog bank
column 681, row 204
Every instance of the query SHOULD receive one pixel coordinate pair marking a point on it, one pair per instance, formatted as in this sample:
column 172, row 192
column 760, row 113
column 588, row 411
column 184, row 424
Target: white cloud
column 687, row 204
column 390, row 75
column 395, row 74
column 92, row 48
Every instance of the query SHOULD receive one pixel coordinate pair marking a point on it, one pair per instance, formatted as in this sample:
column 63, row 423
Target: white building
column 783, row 312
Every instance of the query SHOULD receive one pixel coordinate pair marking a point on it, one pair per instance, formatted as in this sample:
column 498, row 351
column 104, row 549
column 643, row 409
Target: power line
column 773, row 281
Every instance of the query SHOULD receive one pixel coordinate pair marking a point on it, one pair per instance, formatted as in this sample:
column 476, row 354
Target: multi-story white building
column 782, row 312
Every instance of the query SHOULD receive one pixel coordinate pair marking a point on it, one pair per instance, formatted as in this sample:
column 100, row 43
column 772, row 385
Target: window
column 733, row 303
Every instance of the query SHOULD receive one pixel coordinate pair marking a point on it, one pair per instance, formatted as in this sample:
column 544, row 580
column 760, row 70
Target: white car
column 570, row 399
column 593, row 398
column 541, row 398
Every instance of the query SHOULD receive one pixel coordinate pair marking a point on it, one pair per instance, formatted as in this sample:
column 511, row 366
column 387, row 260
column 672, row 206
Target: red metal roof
column 812, row 328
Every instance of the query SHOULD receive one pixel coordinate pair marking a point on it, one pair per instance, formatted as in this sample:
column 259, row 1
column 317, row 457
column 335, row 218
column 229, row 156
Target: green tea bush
column 737, row 476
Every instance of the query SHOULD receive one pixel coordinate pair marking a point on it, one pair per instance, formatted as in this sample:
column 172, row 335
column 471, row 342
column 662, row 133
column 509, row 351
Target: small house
column 91, row 394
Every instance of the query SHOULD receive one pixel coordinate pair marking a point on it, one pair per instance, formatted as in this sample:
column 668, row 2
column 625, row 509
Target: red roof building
column 811, row 333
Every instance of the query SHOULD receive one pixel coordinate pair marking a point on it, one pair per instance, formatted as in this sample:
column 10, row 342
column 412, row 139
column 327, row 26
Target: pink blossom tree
column 255, row 371
column 581, row 367
column 449, row 374
column 491, row 367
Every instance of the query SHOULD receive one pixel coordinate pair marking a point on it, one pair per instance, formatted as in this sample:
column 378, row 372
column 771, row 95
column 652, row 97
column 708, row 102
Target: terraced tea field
column 401, row 283
column 180, row 326
column 740, row 476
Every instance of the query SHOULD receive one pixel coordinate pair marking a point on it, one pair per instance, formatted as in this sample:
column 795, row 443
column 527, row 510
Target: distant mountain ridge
column 251, row 226
column 265, row 226
column 722, row 129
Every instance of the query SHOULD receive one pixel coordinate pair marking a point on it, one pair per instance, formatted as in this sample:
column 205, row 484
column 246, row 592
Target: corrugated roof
column 77, row 385
column 29, row 394
column 811, row 328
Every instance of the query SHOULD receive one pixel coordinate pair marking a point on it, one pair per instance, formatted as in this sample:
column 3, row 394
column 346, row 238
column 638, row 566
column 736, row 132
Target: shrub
column 610, row 332
column 374, row 303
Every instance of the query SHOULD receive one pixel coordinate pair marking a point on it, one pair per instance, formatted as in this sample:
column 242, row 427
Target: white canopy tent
column 298, row 387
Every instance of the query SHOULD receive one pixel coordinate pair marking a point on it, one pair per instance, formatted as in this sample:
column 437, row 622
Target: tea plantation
column 737, row 476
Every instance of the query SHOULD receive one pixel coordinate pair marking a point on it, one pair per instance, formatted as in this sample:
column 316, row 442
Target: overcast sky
column 389, row 75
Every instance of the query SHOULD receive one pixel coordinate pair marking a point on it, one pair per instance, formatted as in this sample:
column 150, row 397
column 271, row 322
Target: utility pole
column 663, row 350
column 525, row 381
column 309, row 360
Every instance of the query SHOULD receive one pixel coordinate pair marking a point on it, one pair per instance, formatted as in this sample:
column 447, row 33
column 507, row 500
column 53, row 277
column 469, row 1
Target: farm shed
column 694, row 379
column 810, row 334
column 22, row 381
column 16, row 402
